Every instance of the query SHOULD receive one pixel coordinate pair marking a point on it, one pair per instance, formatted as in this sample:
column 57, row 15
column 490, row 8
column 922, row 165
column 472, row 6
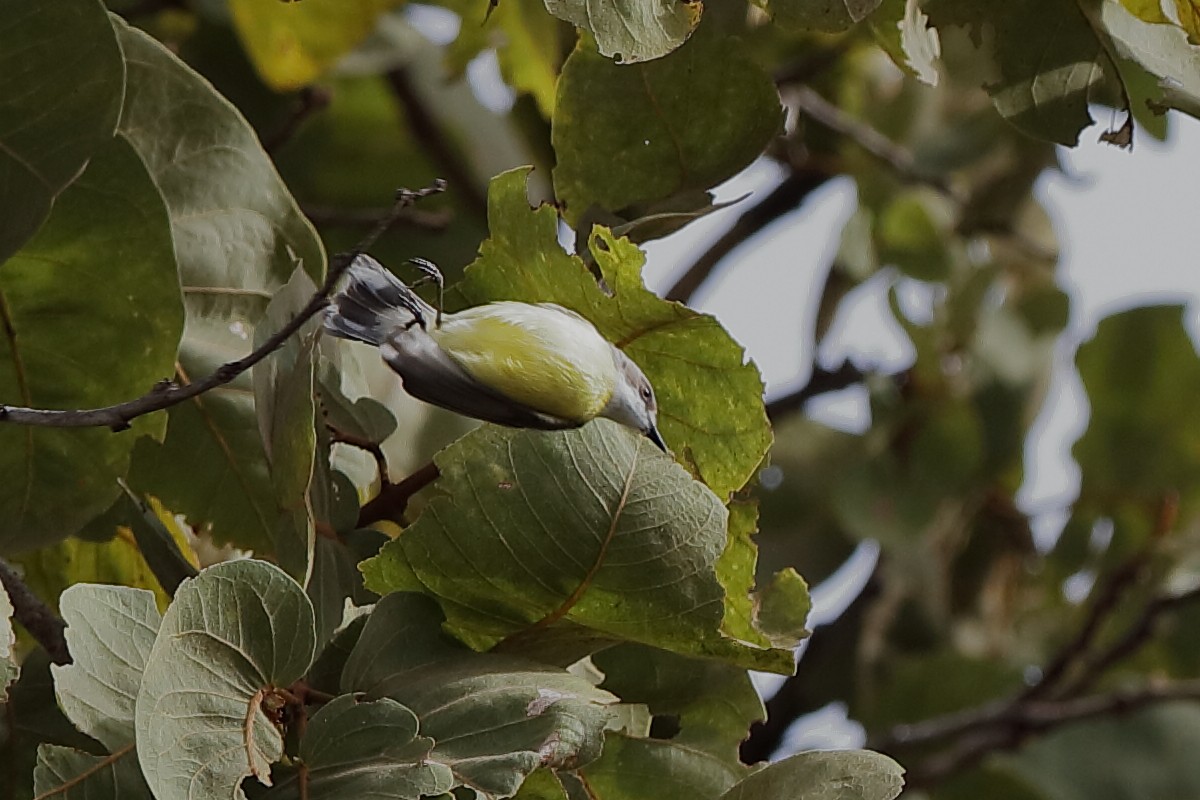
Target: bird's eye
column 646, row 393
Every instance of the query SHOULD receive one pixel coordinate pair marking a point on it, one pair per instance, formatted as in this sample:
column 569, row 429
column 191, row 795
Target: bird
column 522, row 365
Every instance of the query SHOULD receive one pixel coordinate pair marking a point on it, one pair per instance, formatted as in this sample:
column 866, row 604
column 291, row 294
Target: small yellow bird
column 524, row 365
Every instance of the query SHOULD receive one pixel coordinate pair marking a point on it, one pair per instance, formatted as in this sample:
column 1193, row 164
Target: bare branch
column 894, row 155
column 821, row 381
column 392, row 500
column 166, row 393
column 367, row 446
column 35, row 616
column 784, row 198
column 311, row 100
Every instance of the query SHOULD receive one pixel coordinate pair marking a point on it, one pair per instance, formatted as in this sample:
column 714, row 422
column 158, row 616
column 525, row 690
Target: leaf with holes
column 494, row 718
column 56, row 112
column 239, row 236
column 710, row 398
column 99, row 275
column 9, row 669
column 637, row 134
column 848, row 775
column 533, row 537
column 234, row 634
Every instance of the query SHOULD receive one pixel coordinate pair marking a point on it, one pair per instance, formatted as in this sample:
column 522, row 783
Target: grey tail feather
column 372, row 304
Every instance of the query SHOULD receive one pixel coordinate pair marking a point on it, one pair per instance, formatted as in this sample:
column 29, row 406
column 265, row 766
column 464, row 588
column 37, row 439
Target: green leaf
column 494, row 718
column 102, row 264
column 630, row 31
column 912, row 235
column 625, row 135
column 366, row 749
column 238, row 235
column 591, row 529
column 679, row 773
column 335, row 578
column 848, row 775
column 63, row 772
column 1127, row 453
column 9, row 668
column 783, row 607
column 1043, row 61
column 709, row 396
column 293, row 44
column 110, row 631
column 285, row 402
column 56, row 112
column 234, row 633
column 161, row 546
column 820, row 15
column 714, row 704
column 1163, row 50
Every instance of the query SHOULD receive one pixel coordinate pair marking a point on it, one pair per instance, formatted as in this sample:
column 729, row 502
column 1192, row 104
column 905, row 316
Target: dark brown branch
column 899, row 159
column 436, row 142
column 786, row 197
column 1009, row 731
column 437, row 220
column 392, row 500
column 35, row 616
column 311, row 100
column 367, row 446
column 167, row 394
column 821, row 381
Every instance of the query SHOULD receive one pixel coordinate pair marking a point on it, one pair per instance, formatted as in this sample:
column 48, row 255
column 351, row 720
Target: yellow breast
column 542, row 356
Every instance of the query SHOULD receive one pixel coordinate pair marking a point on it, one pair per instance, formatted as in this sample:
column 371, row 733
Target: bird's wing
column 429, row 374
column 543, row 357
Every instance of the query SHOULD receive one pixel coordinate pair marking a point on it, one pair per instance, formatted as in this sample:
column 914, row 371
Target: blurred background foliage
column 989, row 662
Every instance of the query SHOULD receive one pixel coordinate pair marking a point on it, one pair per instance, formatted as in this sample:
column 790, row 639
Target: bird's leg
column 431, row 273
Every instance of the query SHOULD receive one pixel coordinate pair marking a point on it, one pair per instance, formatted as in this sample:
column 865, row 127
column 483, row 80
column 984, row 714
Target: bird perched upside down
column 524, row 365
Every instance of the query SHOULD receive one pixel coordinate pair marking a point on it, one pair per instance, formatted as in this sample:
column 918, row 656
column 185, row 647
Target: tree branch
column 392, row 500
column 821, row 381
column 784, row 198
column 311, row 100
column 166, row 393
column 35, row 616
column 899, row 159
column 366, row 445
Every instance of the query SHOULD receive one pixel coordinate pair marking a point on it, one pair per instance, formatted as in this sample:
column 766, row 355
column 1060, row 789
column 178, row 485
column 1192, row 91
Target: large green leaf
column 1042, row 60
column 626, row 135
column 1128, row 454
column 63, row 772
column 239, row 236
column 709, row 396
column 353, row 748
column 849, row 775
column 575, row 534
column 110, row 631
column 55, row 111
column 494, row 718
column 630, row 31
column 821, row 15
column 234, row 633
column 91, row 315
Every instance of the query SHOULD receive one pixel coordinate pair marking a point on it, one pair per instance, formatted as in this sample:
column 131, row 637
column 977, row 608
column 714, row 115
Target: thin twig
column 392, row 500
column 436, row 142
column 785, row 197
column 821, row 381
column 367, row 446
column 166, row 393
column 35, row 616
column 894, row 155
column 437, row 220
column 311, row 100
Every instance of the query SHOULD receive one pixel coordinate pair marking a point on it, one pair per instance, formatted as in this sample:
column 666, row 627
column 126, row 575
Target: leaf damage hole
column 664, row 726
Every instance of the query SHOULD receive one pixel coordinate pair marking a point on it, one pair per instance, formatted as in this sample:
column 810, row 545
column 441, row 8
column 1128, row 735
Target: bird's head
column 632, row 402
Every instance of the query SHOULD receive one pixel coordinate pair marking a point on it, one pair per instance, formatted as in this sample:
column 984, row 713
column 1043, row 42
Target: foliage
column 301, row 584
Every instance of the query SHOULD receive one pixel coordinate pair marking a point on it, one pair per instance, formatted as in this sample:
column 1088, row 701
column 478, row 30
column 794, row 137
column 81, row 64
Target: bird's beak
column 656, row 437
